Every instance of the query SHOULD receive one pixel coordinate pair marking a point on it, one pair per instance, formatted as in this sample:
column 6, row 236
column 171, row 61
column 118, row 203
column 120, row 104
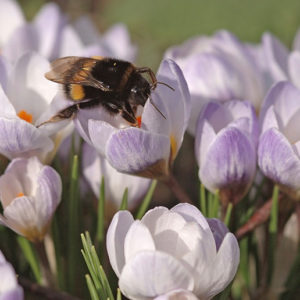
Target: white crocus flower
column 169, row 250
column 29, row 194
column 9, row 288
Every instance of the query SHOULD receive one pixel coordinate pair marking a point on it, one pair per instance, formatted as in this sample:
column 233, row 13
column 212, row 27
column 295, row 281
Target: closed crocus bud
column 9, row 288
column 206, row 63
column 225, row 147
column 29, row 194
column 95, row 167
column 279, row 144
column 171, row 252
column 150, row 149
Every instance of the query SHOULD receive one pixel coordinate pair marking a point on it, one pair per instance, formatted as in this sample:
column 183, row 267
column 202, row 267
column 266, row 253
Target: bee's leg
column 151, row 74
column 64, row 114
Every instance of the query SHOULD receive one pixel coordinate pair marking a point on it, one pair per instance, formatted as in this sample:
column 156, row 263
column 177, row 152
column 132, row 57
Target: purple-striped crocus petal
column 230, row 164
column 152, row 273
column 115, row 239
column 139, row 152
column 218, row 229
column 277, row 159
column 281, row 94
column 174, row 105
column 177, row 294
column 48, row 194
column 229, row 256
column 24, row 39
column 294, row 66
column 11, row 17
column 18, row 138
column 49, row 23
column 276, row 55
column 138, row 238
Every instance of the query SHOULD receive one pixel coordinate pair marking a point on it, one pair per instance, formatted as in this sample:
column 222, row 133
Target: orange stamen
column 20, row 195
column 25, row 116
column 139, row 121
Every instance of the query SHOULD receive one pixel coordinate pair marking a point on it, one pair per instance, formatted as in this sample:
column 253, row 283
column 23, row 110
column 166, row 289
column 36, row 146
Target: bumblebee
column 114, row 84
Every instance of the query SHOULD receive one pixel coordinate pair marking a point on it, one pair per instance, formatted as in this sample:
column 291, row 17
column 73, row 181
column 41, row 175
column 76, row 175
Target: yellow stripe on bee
column 97, row 57
column 76, row 92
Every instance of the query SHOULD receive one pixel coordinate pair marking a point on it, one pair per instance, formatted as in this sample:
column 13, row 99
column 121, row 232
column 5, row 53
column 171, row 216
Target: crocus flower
column 220, row 68
column 50, row 35
column 25, row 99
column 279, row 145
column 149, row 150
column 95, row 167
column 9, row 288
column 171, row 250
column 225, row 146
column 283, row 65
column 29, row 194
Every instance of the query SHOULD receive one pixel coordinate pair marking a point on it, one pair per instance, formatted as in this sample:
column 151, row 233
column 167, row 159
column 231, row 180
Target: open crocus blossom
column 25, row 97
column 220, row 68
column 29, row 194
column 225, row 147
column 279, row 144
column 149, row 150
column 9, row 288
column 171, row 251
column 95, row 167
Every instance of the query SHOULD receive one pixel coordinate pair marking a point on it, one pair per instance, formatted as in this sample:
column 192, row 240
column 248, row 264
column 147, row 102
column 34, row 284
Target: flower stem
column 47, row 277
column 176, row 189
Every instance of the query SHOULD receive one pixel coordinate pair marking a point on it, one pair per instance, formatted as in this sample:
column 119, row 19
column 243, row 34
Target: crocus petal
column 277, row 159
column 276, row 55
column 70, row 42
column 23, row 40
column 18, row 138
column 230, row 163
column 225, row 266
column 138, row 238
column 115, row 238
column 163, row 272
column 136, row 151
column 294, row 66
column 28, row 82
column 11, row 17
column 49, row 23
column 296, row 42
column 86, row 30
column 5, row 68
column 151, row 216
column 177, row 294
column 6, row 108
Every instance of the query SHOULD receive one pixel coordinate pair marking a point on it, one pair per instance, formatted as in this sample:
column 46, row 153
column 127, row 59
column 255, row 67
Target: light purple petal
column 177, row 294
column 86, row 30
column 24, row 39
column 296, row 42
column 5, row 68
column 11, row 17
column 115, row 239
column 149, row 274
column 138, row 238
column 294, row 67
column 276, row 55
column 18, row 138
column 70, row 42
column 218, row 229
column 6, row 108
column 230, row 163
column 277, row 159
column 49, row 24
column 136, row 151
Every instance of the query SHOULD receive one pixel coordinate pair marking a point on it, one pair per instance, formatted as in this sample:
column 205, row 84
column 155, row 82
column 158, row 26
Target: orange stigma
column 139, row 121
column 25, row 116
column 20, row 195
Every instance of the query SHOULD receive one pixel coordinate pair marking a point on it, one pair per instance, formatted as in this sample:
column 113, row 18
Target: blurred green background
column 156, row 24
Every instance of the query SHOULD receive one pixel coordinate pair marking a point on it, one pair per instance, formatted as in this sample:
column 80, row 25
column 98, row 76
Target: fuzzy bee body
column 116, row 85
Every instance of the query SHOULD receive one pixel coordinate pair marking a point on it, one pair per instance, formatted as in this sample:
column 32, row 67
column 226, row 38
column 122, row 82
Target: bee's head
column 140, row 90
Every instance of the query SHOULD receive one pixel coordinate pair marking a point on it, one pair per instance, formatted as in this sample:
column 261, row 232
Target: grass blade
column 124, row 204
column 146, row 202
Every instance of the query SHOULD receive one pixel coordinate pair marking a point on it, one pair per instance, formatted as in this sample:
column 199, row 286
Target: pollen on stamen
column 139, row 121
column 25, row 116
column 20, row 195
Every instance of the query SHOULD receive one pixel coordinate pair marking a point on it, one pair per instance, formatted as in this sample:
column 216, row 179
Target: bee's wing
column 75, row 70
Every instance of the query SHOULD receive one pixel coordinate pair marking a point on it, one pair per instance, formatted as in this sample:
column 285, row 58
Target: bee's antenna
column 151, row 101
column 163, row 83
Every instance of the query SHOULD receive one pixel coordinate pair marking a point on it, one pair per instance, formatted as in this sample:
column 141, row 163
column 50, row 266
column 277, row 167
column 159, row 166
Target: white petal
column 151, row 216
column 70, row 42
column 177, row 295
column 149, row 274
column 115, row 238
column 6, row 108
column 138, row 238
column 294, row 66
